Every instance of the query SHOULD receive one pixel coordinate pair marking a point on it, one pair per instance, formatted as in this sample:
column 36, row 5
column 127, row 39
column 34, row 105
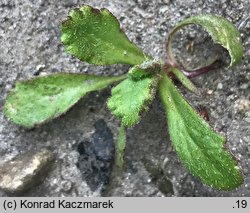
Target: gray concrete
column 30, row 41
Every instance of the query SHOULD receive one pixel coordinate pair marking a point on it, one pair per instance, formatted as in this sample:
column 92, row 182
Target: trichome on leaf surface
column 95, row 36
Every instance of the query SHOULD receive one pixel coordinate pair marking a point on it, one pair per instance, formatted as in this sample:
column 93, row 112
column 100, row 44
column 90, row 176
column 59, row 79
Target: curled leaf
column 95, row 36
column 199, row 147
column 220, row 29
column 34, row 101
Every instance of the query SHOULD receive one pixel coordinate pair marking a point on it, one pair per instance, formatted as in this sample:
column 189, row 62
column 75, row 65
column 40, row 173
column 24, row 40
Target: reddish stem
column 199, row 71
column 190, row 73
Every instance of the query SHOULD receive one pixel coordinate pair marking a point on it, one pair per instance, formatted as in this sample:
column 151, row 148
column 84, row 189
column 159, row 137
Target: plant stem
column 189, row 73
column 199, row 71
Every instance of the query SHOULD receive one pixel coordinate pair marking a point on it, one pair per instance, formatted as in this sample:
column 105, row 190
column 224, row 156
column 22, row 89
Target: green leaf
column 120, row 147
column 95, row 36
column 137, row 74
column 147, row 69
column 129, row 98
column 220, row 29
column 184, row 80
column 35, row 101
column 200, row 148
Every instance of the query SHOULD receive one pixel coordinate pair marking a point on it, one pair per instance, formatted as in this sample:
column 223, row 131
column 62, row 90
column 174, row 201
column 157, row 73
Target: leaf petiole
column 120, row 147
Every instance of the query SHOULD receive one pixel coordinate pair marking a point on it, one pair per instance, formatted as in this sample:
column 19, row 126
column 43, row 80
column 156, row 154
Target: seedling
column 95, row 36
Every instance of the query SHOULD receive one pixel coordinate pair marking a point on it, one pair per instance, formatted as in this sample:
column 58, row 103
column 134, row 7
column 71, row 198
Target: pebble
column 244, row 86
column 66, row 185
column 219, row 86
column 68, row 3
column 210, row 92
column 244, row 105
column 25, row 171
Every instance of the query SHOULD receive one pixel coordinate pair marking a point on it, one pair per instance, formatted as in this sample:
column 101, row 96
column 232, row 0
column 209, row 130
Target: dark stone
column 96, row 156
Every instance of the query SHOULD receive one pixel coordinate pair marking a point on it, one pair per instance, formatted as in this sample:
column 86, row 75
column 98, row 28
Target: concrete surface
column 30, row 41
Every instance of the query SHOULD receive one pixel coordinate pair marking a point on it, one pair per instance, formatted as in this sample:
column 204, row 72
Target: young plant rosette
column 95, row 36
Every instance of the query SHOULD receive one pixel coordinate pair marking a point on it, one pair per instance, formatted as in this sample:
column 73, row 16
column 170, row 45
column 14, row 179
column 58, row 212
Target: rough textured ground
column 30, row 42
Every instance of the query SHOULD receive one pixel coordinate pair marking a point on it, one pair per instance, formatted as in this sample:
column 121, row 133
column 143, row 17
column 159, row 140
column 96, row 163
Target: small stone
column 164, row 9
column 95, row 159
column 39, row 69
column 25, row 171
column 167, row 1
column 66, row 185
column 68, row 3
column 43, row 74
column 244, row 105
column 210, row 92
column 219, row 86
column 244, row 86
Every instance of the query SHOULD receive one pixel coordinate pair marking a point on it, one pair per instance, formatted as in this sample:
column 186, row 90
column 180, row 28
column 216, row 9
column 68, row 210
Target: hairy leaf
column 147, row 69
column 120, row 147
column 200, row 148
column 220, row 29
column 34, row 101
column 184, row 80
column 129, row 98
column 95, row 36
